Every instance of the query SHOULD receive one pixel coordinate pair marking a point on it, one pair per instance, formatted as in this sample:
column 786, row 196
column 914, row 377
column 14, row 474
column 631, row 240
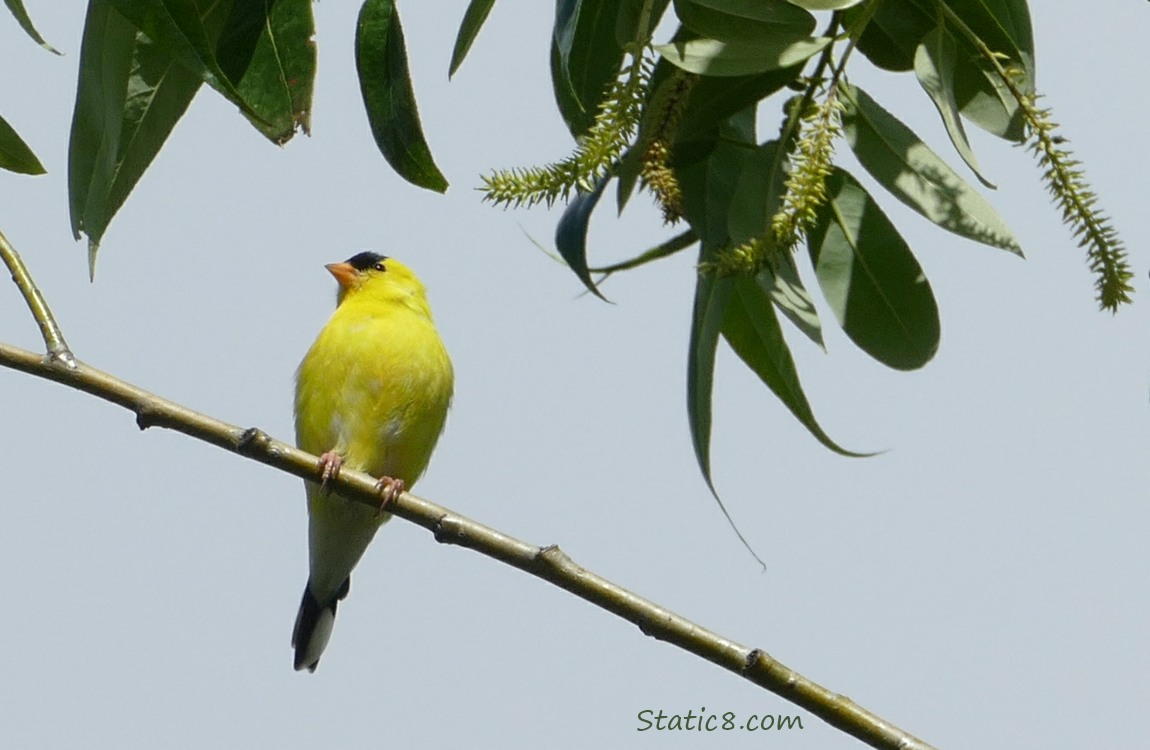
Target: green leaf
column 664, row 249
column 707, row 188
column 782, row 284
column 894, row 32
column 711, row 297
column 177, row 29
column 130, row 95
column 627, row 177
column 874, row 285
column 270, row 56
column 585, row 58
column 917, row 176
column 1003, row 24
column 22, row 18
column 982, row 96
column 934, row 63
column 752, row 329
column 708, row 184
column 749, row 20
column 984, row 99
column 714, row 99
column 571, row 234
column 473, row 20
column 381, row 59
column 825, row 4
column 757, row 197
column 15, row 155
column 711, row 57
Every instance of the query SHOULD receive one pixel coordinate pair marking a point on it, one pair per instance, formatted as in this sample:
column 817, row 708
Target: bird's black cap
column 365, row 260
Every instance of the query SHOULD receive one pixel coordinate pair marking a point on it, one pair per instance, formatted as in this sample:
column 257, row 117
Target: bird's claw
column 389, row 488
column 329, row 466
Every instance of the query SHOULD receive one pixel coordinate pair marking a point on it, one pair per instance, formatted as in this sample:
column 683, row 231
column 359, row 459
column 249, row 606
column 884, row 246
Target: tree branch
column 58, row 351
column 549, row 563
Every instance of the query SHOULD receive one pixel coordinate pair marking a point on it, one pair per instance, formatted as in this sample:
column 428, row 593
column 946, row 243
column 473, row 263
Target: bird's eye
column 379, row 267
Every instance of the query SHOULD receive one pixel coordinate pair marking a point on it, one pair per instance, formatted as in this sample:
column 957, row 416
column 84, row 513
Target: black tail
column 313, row 626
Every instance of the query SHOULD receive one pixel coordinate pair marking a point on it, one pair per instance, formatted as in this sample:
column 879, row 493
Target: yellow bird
column 372, row 395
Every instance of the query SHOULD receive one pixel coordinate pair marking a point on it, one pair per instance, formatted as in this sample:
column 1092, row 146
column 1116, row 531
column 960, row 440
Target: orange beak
column 344, row 273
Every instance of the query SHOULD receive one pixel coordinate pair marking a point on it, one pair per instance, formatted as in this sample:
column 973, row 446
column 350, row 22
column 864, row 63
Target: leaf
column 711, row 57
column 664, row 249
column 22, row 18
column 918, row 177
column 982, row 96
column 571, row 234
column 934, row 63
column 177, row 29
column 753, row 331
column 585, row 58
column 714, row 99
column 750, row 20
column 269, row 54
column 384, row 81
column 1003, row 24
column 874, row 285
column 757, row 197
column 15, row 155
column 894, row 32
column 130, row 95
column 782, row 284
column 711, row 296
column 707, row 188
column 473, row 20
column 825, row 4
column 708, row 184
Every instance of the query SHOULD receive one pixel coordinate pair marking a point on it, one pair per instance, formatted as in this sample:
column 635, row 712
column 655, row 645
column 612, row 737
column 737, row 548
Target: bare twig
column 58, row 352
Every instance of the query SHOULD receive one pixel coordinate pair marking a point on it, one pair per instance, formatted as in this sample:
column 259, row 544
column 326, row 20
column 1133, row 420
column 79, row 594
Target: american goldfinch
column 372, row 395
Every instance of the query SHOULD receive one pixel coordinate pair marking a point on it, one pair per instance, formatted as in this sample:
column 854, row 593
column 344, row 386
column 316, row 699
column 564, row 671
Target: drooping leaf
column 130, row 95
column 15, row 155
column 708, row 185
column 269, row 54
column 22, row 18
column 914, row 174
column 757, row 197
column 711, row 57
column 571, row 234
column 473, row 20
column 664, row 249
column 749, row 20
column 873, row 283
column 177, row 29
column 384, row 81
column 934, row 63
column 753, row 331
column 711, row 296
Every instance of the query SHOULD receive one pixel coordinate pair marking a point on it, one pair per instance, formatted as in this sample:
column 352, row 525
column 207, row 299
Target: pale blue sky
column 982, row 583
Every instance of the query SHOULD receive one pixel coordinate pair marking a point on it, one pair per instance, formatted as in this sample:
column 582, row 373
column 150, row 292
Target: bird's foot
column 389, row 488
column 329, row 465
